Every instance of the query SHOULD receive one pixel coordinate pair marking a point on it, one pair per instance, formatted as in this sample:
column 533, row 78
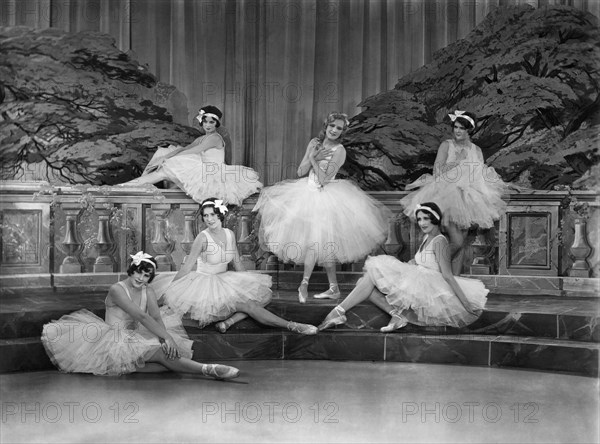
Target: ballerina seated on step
column 421, row 292
column 199, row 168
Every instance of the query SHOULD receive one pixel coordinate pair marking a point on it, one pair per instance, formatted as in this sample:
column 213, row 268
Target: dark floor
column 304, row 401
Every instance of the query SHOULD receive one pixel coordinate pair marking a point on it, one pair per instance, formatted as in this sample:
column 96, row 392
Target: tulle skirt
column 82, row 342
column 336, row 223
column 425, row 291
column 201, row 180
column 210, row 298
column 467, row 195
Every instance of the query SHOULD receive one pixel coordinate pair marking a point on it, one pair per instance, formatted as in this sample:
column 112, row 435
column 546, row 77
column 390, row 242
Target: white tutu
column 201, row 179
column 337, row 222
column 213, row 297
column 425, row 291
column 81, row 342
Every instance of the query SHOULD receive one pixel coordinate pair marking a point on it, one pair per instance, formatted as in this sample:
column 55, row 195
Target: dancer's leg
column 457, row 251
column 185, row 365
column 309, row 265
column 151, row 178
column 334, row 291
column 227, row 323
column 399, row 318
column 266, row 317
column 361, row 292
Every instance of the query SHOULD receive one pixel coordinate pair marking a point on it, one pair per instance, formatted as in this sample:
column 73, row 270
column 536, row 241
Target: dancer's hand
column 323, row 153
column 170, row 348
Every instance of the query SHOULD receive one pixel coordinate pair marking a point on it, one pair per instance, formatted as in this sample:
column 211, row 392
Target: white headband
column 140, row 257
column 425, row 208
column 217, row 204
column 461, row 114
column 203, row 114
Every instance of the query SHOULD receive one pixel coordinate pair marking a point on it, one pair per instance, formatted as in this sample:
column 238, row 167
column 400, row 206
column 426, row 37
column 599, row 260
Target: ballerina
column 135, row 336
column 199, row 168
column 423, row 291
column 319, row 219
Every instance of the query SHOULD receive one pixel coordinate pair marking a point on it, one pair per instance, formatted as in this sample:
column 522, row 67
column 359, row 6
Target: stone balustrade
column 48, row 231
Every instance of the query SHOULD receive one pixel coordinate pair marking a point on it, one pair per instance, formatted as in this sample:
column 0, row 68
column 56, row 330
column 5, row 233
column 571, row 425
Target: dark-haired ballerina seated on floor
column 423, row 291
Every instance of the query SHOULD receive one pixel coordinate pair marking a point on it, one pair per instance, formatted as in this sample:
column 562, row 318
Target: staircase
column 539, row 332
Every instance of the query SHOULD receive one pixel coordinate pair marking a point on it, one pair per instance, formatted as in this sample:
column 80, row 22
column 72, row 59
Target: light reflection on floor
column 304, row 401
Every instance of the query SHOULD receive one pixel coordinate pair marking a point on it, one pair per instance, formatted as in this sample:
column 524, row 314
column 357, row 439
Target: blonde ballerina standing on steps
column 319, row 219
column 213, row 294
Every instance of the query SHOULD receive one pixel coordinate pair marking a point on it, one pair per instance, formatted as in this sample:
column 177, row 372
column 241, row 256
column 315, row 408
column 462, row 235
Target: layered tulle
column 468, row 194
column 425, row 291
column 335, row 223
column 201, row 179
column 210, row 298
column 82, row 342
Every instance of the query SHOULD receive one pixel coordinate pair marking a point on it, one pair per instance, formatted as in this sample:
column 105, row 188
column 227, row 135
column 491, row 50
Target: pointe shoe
column 397, row 321
column 332, row 293
column 303, row 329
column 335, row 317
column 223, row 326
column 303, row 291
column 219, row 371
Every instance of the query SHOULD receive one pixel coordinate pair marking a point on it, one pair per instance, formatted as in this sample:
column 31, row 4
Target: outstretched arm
column 441, row 249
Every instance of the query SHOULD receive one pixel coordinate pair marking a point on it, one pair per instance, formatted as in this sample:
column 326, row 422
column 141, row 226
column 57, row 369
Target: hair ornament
column 202, row 114
column 462, row 115
column 217, row 204
column 139, row 257
column 420, row 207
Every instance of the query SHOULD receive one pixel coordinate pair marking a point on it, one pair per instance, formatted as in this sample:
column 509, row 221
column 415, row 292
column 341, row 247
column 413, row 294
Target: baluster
column 104, row 262
column 580, row 250
column 483, row 249
column 190, row 214
column 71, row 244
column 163, row 247
column 244, row 242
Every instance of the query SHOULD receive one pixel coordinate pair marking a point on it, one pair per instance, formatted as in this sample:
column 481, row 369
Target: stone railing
column 50, row 234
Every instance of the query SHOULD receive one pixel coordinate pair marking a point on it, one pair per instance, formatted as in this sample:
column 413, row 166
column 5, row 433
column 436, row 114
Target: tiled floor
column 304, row 401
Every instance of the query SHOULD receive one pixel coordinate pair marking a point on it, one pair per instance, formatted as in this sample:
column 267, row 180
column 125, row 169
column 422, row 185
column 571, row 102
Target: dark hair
column 464, row 122
column 434, row 219
column 143, row 267
column 332, row 117
column 210, row 203
column 212, row 110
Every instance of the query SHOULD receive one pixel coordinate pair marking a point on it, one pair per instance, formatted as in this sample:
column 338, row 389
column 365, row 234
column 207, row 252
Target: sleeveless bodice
column 313, row 180
column 426, row 256
column 215, row 258
column 116, row 315
column 215, row 153
column 461, row 155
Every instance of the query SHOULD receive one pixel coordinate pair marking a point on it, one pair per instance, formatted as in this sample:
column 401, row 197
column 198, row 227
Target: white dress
column 81, row 342
column 468, row 192
column 211, row 292
column 204, row 175
column 336, row 222
column 423, row 289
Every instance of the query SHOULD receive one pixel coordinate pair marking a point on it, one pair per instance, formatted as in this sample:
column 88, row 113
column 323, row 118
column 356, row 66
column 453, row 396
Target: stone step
column 521, row 352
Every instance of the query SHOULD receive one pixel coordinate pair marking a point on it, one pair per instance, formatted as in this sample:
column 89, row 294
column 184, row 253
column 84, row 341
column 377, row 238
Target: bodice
column 426, row 256
column 116, row 315
column 461, row 155
column 215, row 258
column 216, row 152
column 313, row 179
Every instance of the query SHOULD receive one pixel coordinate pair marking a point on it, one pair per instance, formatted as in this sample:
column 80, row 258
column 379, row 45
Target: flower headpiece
column 217, row 204
column 209, row 111
column 462, row 115
column 139, row 257
column 420, row 207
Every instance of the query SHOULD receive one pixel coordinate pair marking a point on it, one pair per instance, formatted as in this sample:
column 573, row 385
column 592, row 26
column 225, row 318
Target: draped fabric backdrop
column 275, row 67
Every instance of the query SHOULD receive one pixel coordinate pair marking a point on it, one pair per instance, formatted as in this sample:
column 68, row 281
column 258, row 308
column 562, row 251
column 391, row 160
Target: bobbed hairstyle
column 143, row 267
column 466, row 123
column 211, row 109
column 432, row 210
column 210, row 203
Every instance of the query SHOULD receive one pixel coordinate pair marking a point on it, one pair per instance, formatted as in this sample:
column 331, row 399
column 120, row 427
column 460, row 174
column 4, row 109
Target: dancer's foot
column 219, row 371
column 332, row 293
column 303, row 291
column 397, row 321
column 335, row 317
column 223, row 326
column 303, row 329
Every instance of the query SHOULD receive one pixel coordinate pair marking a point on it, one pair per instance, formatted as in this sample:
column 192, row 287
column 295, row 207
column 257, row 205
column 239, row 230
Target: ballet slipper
column 219, row 371
column 223, row 326
column 335, row 317
column 332, row 293
column 303, row 291
column 303, row 329
column 397, row 321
